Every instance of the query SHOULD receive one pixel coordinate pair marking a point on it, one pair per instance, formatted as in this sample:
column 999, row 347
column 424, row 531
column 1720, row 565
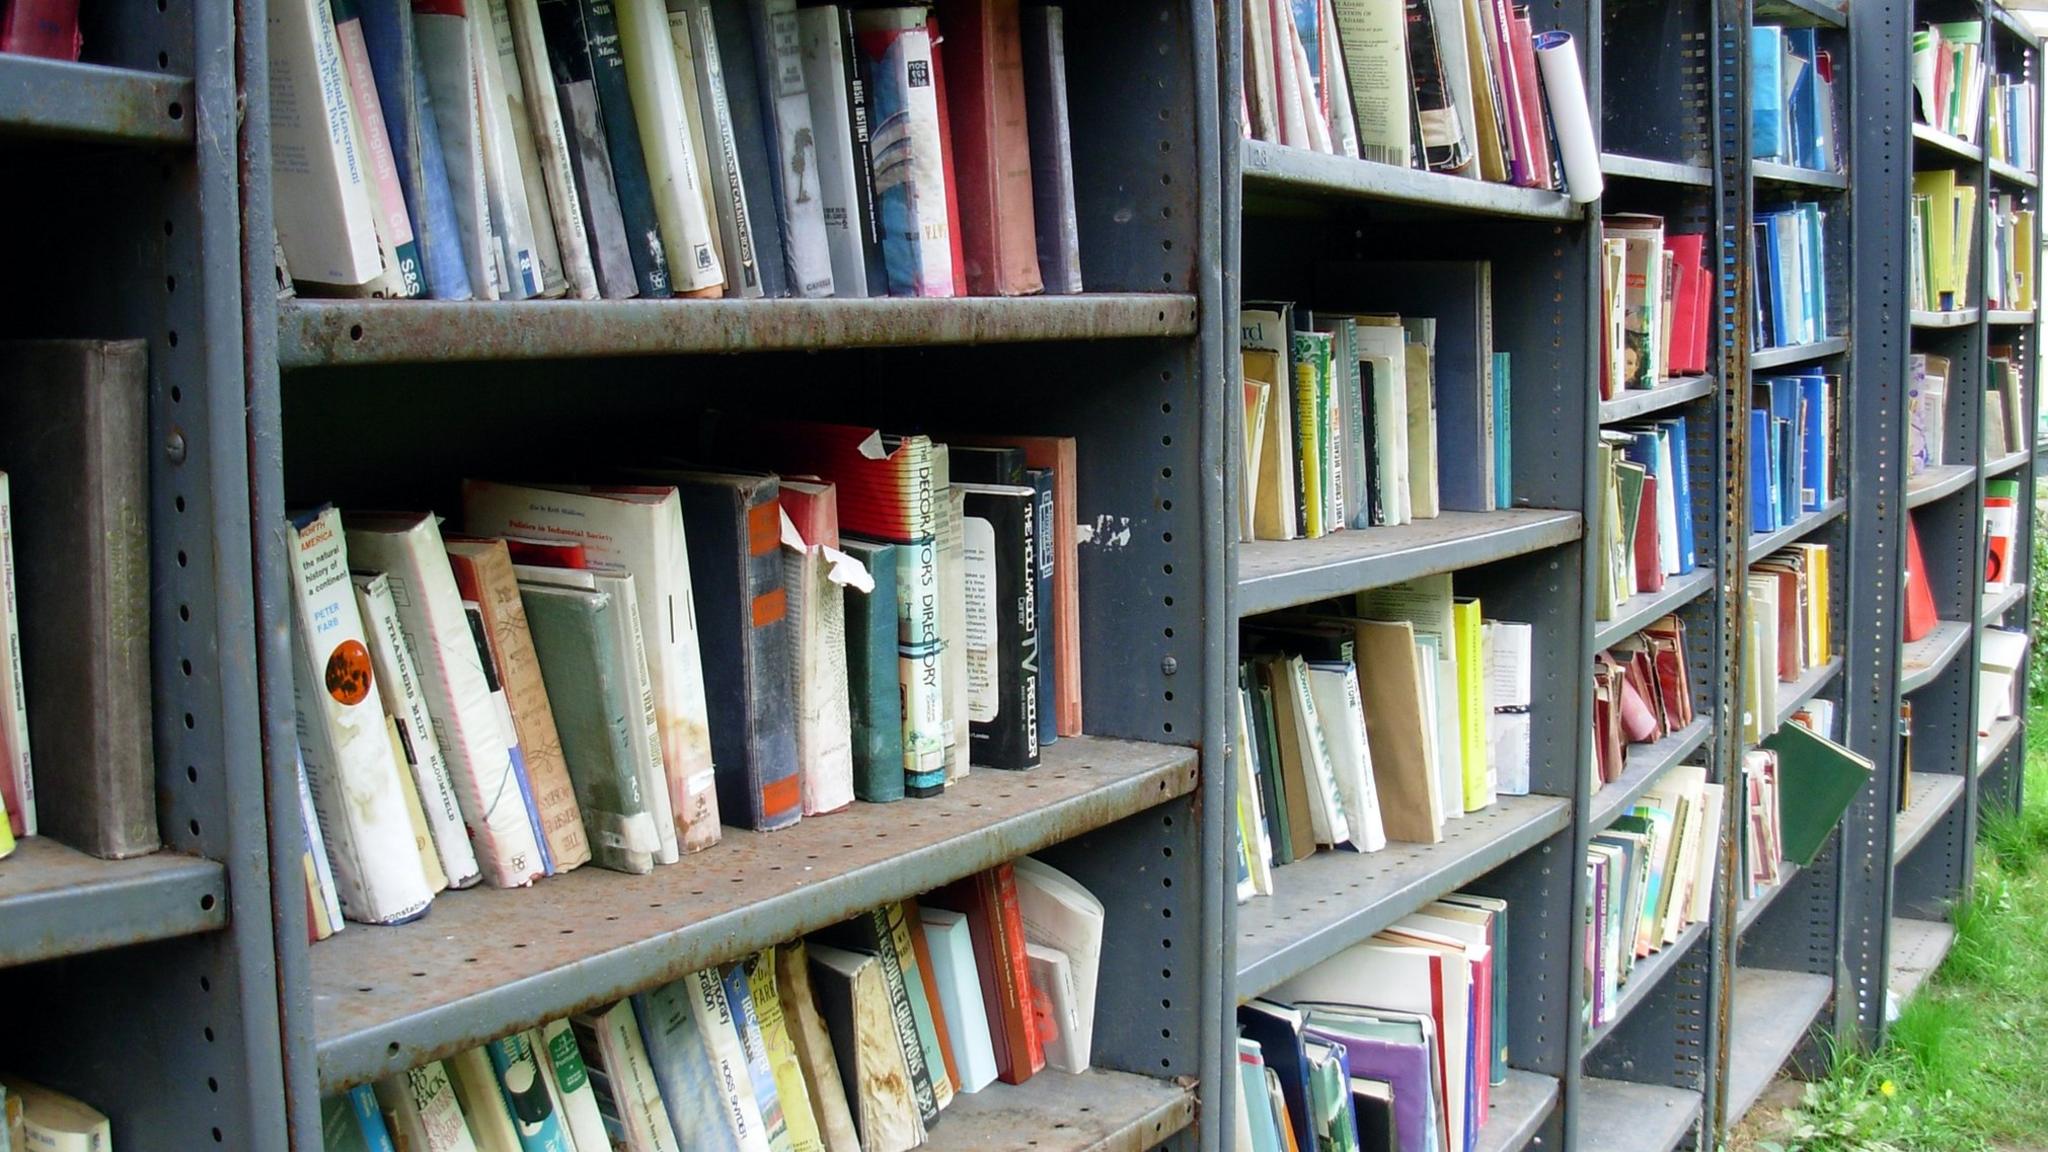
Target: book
column 624, row 1079
column 562, row 1063
column 911, row 197
column 17, row 761
column 958, row 982
column 1001, row 625
column 444, row 39
column 1053, row 210
column 952, row 614
column 568, row 68
column 512, row 117
column 349, row 1122
column 357, row 789
column 61, row 1123
column 815, row 1055
column 326, row 209
column 402, row 275
column 1821, row 778
column 766, row 1098
column 683, row 1063
column 579, row 30
column 637, row 531
column 323, row 908
column 552, row 149
column 765, row 1001
column 483, row 1101
column 527, row 1100
column 989, row 901
column 1059, row 913
column 839, row 115
column 873, row 933
column 522, row 275
column 817, row 577
column 41, row 28
column 991, row 146
column 422, row 1110
column 853, row 1000
column 405, row 704
column 1054, row 1013
column 873, row 688
column 648, row 50
column 792, row 151
column 730, row 94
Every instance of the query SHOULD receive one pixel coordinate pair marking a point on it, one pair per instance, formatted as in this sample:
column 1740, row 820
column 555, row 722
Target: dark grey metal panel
column 1616, row 166
column 57, row 901
column 1638, row 612
column 1749, row 910
column 56, row 99
column 1925, row 659
column 1619, row 1116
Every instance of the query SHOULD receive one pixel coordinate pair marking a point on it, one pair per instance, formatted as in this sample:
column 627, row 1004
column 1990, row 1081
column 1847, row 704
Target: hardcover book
column 681, row 1062
column 896, row 62
column 422, row 167
column 1001, row 626
column 524, row 276
column 402, row 275
column 853, row 999
column 991, row 141
column 1053, row 209
column 839, row 116
column 512, row 119
column 552, row 148
column 679, row 203
column 872, row 682
column 423, row 1111
column 756, row 154
column 442, row 33
column 817, row 577
column 602, row 219
column 786, row 115
column 325, row 212
column 589, row 30
column 629, row 1096
column 814, row 1049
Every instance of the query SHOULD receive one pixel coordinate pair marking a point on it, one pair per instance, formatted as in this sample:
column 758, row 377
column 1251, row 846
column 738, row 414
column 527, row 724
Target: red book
column 1920, row 618
column 946, row 149
column 996, row 926
column 546, row 553
column 1649, row 566
column 1685, row 357
column 882, row 484
column 1532, row 102
column 40, row 28
column 813, row 506
column 1004, row 880
column 990, row 153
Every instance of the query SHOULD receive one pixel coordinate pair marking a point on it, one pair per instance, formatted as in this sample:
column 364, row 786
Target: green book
column 873, row 690
column 1817, row 780
column 1329, row 1093
column 1269, row 757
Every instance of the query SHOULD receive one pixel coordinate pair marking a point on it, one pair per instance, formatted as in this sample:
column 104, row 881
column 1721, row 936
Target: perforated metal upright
column 148, row 987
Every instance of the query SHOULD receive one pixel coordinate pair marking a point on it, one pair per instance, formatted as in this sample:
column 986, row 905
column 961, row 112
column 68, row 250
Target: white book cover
column 407, row 548
column 504, row 167
column 508, row 731
column 402, row 276
column 553, row 149
column 814, row 581
column 1053, row 1009
column 1385, row 347
column 649, row 52
column 405, row 701
column 17, row 776
column 821, row 35
column 1059, row 913
column 424, row 1113
column 788, row 108
column 721, row 1037
column 617, row 1059
column 683, row 40
column 1343, row 718
column 728, row 191
column 320, row 871
column 356, row 783
column 1713, row 799
column 1325, row 800
column 569, row 1079
column 443, row 39
column 645, row 737
column 1508, row 689
column 1667, row 511
column 959, row 984
column 952, row 565
column 325, row 214
column 483, row 1102
column 638, row 532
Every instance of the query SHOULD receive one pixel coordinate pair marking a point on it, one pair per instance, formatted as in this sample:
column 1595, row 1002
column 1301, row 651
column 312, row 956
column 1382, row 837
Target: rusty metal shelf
column 1519, row 1108
column 485, row 962
column 57, row 901
column 60, row 100
column 1054, row 1111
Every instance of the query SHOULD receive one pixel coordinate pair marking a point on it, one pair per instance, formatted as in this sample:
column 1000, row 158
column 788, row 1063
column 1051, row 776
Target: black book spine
column 867, row 219
column 1375, row 505
column 604, row 226
column 622, row 142
column 1048, row 721
column 759, row 159
column 1003, row 723
column 869, row 932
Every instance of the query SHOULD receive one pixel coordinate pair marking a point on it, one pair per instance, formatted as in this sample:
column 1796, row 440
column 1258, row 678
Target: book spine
column 325, row 220
column 983, row 51
column 746, row 1024
column 563, row 1065
column 826, row 54
column 1007, row 919
column 1052, row 149
column 904, row 942
column 860, row 123
column 816, row 613
column 715, row 1023
column 669, row 824
column 526, row 1095
column 1048, row 712
column 17, row 775
column 47, row 28
column 691, row 1088
column 531, row 260
column 1002, row 629
column 744, row 274
column 551, row 149
column 622, row 142
column 589, row 153
column 649, row 1126
column 426, row 1117
column 785, row 103
column 508, row 732
column 813, row 1045
column 683, row 42
column 394, row 225
column 909, row 175
column 954, row 252
column 942, row 1016
column 918, row 669
column 441, row 32
column 415, row 145
column 763, row 995
column 323, row 910
column 873, row 681
column 952, row 617
column 755, row 154
column 877, row 934
column 657, row 93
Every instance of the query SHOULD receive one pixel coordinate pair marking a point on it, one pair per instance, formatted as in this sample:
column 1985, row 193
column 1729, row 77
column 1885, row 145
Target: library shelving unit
column 147, row 985
column 390, row 404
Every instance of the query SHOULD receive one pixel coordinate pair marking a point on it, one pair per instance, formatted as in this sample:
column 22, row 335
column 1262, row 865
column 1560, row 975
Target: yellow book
column 790, row 1088
column 1939, row 186
column 1966, row 231
column 1309, row 448
column 1475, row 712
column 1257, row 395
column 7, row 835
column 2023, row 260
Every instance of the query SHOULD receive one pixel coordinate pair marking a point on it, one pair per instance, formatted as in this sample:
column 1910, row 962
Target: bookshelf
column 135, row 235
column 390, row 404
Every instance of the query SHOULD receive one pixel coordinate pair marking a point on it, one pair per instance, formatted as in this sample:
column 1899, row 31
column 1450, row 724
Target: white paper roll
column 1558, row 59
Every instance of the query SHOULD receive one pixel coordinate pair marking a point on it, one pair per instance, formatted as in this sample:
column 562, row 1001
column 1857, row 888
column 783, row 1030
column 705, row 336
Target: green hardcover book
column 1817, row 780
column 872, row 678
column 1269, row 757
column 583, row 670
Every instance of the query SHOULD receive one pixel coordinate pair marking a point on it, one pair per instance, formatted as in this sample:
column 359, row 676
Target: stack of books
column 1762, row 840
column 1394, row 1043
column 533, row 695
column 1656, row 296
column 1644, row 518
column 1792, row 98
column 743, row 148
column 2005, row 404
column 2010, row 257
column 2013, row 132
column 1786, row 629
column 1948, row 77
column 1453, row 86
column 1793, row 421
column 1384, row 724
column 1790, row 250
column 857, row 1038
column 1371, row 417
column 1940, row 231
column 1650, row 876
column 1642, row 693
column 2001, row 530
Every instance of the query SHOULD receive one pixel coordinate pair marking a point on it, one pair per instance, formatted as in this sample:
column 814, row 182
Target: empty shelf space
column 1094, row 1111
column 1953, row 318
column 1931, row 484
column 1991, row 747
column 1932, row 795
column 1762, row 544
column 1276, row 168
column 1617, row 166
column 2010, row 462
column 1617, row 1116
column 1334, row 899
column 1917, row 950
column 1647, row 762
column 1640, row 611
column 1999, row 601
column 1772, row 1013
column 1924, row 659
column 57, row 901
column 1520, row 1106
column 61, row 100
column 319, row 332
column 485, row 962
column 1941, row 144
column 1274, row 574
column 1638, row 402
column 1748, row 911
column 1764, row 358
column 1645, row 976
column 1772, row 172
column 1792, row 697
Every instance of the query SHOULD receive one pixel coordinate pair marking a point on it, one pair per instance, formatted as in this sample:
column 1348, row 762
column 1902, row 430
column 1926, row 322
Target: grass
column 1966, row 1064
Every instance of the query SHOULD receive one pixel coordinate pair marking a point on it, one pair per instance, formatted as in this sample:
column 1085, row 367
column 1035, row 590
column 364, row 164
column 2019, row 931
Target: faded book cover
column 814, row 1052
column 896, row 62
column 984, row 57
column 853, row 999
column 786, row 107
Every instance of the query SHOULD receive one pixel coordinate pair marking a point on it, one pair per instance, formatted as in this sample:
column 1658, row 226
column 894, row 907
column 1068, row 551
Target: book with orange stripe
column 733, row 522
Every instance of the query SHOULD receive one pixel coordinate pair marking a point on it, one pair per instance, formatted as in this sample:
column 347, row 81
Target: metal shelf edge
column 1773, row 172
column 1953, row 146
column 1917, row 950
column 1812, row 684
column 1619, row 1116
column 1284, row 573
column 1934, row 794
column 1933, row 654
column 1668, row 394
column 1624, row 167
column 1762, row 544
column 1936, row 482
column 59, row 99
column 1639, row 611
column 1765, row 358
column 1954, row 318
column 1302, row 172
column 57, row 901
column 1519, row 1108
column 1099, row 1110
column 1772, row 1013
column 1646, row 762
column 1990, row 748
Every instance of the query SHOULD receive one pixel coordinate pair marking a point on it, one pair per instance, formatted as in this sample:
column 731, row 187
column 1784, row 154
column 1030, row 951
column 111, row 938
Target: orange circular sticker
column 348, row 672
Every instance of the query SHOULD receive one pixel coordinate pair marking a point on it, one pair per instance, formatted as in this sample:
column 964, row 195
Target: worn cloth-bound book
column 1052, row 150
column 589, row 30
column 817, row 577
column 423, row 1112
column 1001, row 626
column 755, row 154
column 839, row 116
column 872, row 933
column 498, row 58
column 442, row 33
column 588, row 152
column 896, row 63
column 421, row 165
column 629, row 1094
column 792, row 138
column 679, row 202
column 872, row 682
column 728, row 103
column 853, row 999
column 992, row 147
column 814, row 1053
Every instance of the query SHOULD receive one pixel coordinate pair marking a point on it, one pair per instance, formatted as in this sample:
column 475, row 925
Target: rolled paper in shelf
column 1558, row 58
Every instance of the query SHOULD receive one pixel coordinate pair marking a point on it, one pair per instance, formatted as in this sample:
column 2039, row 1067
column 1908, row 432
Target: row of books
column 857, row 1038
column 1466, row 87
column 2010, row 257
column 2005, row 404
column 1642, row 692
column 1794, row 426
column 1650, row 876
column 77, row 760
column 744, row 148
column 1939, row 233
column 1948, row 77
column 1384, row 724
column 1395, row 1044
column 604, row 673
column 1655, row 299
column 1792, row 98
column 2012, row 129
column 1644, row 518
column 2002, row 520
column 1787, row 630
column 2000, row 654
column 1790, row 249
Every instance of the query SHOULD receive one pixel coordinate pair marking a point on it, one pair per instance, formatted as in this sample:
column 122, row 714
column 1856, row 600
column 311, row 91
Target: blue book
column 873, row 688
column 1814, row 412
column 1277, row 1030
column 1251, row 1072
column 1812, row 219
column 1763, row 511
column 526, row 1095
column 1784, row 404
column 746, row 1024
column 415, row 144
column 1681, row 490
column 1766, row 91
column 682, row 1065
column 1804, row 111
column 1782, row 278
column 351, row 1122
column 1503, row 433
column 1040, row 480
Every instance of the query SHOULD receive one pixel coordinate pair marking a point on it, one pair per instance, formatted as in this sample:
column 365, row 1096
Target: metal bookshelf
column 148, row 986
column 392, row 403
